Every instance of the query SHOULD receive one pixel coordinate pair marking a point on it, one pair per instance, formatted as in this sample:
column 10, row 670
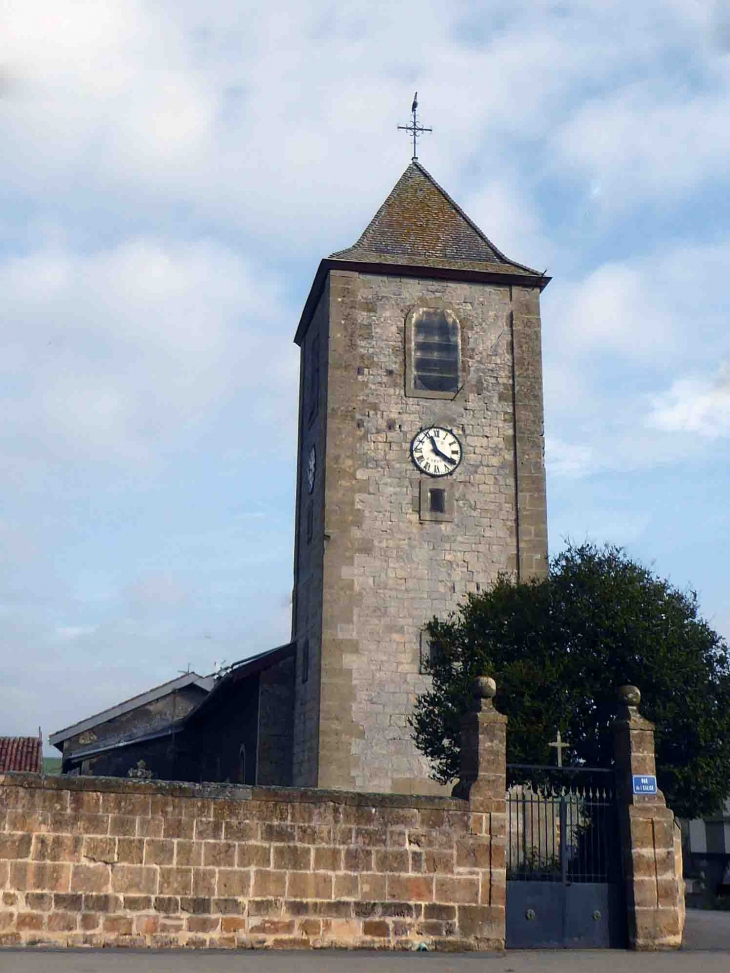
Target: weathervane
column 414, row 128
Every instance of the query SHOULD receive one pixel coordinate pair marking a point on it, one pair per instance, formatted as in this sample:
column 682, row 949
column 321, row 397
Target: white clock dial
column 436, row 451
column 311, row 468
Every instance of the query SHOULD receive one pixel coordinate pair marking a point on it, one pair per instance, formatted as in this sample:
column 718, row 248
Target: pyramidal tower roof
column 419, row 224
column 419, row 231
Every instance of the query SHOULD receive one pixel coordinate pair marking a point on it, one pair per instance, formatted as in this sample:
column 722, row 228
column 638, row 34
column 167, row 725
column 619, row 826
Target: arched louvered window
column 433, row 359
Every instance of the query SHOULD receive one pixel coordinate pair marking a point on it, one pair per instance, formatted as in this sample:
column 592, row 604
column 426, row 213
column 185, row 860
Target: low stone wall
column 116, row 862
column 94, row 861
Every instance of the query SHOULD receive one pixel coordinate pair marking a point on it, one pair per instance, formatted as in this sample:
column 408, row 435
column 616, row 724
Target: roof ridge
column 470, row 221
column 379, row 212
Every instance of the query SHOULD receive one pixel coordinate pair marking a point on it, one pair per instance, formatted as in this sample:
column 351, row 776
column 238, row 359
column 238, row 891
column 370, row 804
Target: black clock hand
column 442, row 455
column 434, row 445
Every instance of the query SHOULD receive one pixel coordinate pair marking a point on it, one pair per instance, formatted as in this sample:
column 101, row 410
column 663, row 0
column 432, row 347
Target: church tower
column 421, row 472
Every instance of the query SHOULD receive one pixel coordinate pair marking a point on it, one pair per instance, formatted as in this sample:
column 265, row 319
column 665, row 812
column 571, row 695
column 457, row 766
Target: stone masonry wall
column 386, row 571
column 102, row 861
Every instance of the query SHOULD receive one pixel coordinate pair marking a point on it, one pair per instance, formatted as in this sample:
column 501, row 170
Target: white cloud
column 113, row 354
column 657, row 131
column 644, row 142
column 695, row 405
column 618, row 309
column 568, row 461
column 615, row 343
column 651, row 311
column 264, row 118
column 500, row 209
column 69, row 633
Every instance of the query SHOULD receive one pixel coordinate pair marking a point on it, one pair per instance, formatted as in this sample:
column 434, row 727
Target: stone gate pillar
column 482, row 781
column 651, row 845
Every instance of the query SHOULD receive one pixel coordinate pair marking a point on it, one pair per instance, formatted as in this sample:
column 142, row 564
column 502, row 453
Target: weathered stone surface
column 92, row 878
column 102, row 903
column 369, row 570
column 132, row 890
column 137, row 903
column 134, row 879
column 14, row 846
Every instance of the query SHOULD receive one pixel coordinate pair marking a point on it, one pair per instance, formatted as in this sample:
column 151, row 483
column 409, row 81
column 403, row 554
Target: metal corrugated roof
column 187, row 679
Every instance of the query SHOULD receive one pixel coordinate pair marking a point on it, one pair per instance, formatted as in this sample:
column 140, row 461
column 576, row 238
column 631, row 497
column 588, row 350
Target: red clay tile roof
column 420, row 223
column 21, row 753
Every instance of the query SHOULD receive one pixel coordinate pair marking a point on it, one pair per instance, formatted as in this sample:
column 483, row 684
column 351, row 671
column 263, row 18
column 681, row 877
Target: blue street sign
column 644, row 784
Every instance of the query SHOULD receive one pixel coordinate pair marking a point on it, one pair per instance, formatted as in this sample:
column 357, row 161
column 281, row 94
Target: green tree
column 559, row 648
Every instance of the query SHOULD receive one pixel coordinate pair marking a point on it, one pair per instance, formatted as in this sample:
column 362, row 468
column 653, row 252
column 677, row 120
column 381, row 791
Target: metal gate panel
column 564, row 882
column 593, row 916
column 534, row 916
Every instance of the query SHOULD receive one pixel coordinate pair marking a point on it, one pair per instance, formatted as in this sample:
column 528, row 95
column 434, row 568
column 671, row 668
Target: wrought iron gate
column 564, row 876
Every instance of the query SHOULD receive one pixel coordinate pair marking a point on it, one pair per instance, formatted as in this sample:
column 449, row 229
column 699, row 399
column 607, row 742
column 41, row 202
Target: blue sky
column 171, row 174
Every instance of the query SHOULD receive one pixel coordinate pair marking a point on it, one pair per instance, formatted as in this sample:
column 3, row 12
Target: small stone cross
column 559, row 746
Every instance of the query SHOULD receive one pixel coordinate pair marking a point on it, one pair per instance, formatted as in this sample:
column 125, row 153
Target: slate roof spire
column 419, row 224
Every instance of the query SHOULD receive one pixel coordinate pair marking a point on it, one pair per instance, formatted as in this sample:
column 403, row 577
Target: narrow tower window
column 313, row 377
column 305, row 660
column 435, row 502
column 435, row 351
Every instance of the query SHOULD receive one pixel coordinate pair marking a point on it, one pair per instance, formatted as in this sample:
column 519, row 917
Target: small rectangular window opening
column 437, row 501
column 305, row 660
column 430, row 653
column 436, row 651
column 310, row 521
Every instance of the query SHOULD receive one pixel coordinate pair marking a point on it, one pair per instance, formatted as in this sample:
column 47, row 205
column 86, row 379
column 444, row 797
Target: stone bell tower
column 420, row 474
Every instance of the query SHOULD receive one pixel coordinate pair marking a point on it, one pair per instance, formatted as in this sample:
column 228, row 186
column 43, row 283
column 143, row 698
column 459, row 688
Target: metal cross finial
column 559, row 746
column 414, row 128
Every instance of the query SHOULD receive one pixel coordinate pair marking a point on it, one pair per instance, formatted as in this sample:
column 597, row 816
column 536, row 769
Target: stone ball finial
column 629, row 695
column 485, row 687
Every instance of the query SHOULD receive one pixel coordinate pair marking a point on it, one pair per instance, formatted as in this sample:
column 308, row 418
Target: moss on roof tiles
column 420, row 224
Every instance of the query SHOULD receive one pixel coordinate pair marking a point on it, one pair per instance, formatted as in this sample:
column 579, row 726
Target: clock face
column 436, row 451
column 311, row 468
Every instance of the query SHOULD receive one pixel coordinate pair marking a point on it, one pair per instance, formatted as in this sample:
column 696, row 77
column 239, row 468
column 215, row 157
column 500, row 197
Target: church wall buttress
column 386, row 571
column 342, row 538
column 529, row 433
